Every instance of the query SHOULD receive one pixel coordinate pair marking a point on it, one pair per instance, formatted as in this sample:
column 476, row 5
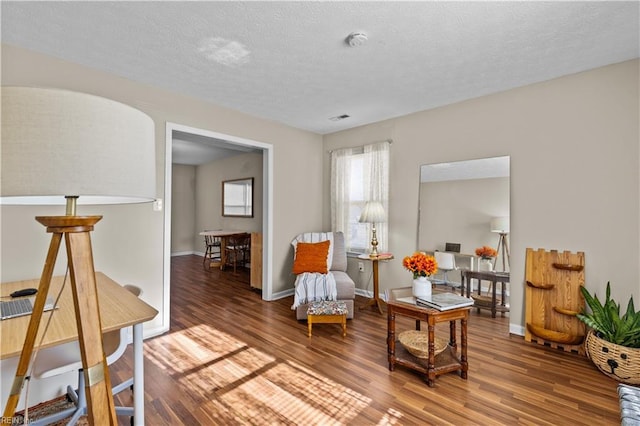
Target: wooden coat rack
column 553, row 299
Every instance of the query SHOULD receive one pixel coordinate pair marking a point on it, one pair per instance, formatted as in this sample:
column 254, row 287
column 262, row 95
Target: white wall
column 574, row 148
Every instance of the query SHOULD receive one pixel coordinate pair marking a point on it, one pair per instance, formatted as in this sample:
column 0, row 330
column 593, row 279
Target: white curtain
column 376, row 184
column 375, row 187
column 340, row 180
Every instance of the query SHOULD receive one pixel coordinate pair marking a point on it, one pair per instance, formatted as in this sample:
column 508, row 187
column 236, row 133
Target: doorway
column 228, row 142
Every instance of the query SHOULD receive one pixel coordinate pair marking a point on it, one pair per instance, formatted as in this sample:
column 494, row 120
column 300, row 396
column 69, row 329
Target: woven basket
column 618, row 362
column 417, row 343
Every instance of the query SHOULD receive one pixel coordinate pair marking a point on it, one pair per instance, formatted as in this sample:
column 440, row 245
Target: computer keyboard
column 19, row 307
column 15, row 308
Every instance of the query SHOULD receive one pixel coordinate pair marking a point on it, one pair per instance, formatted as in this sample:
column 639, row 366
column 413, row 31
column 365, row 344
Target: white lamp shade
column 56, row 143
column 500, row 225
column 373, row 212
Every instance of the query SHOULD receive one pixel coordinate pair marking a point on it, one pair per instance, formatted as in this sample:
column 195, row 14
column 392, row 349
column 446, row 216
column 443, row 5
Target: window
column 359, row 175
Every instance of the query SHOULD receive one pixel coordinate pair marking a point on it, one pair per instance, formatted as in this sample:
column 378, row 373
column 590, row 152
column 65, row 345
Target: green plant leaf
column 606, row 320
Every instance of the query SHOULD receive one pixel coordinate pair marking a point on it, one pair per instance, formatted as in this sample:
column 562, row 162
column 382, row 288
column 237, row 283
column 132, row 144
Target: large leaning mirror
column 459, row 202
column 237, row 197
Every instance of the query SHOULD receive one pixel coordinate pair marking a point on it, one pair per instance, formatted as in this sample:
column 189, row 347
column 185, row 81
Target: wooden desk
column 433, row 366
column 375, row 301
column 118, row 308
column 480, row 302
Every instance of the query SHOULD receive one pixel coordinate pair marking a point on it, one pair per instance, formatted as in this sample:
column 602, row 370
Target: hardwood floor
column 231, row 358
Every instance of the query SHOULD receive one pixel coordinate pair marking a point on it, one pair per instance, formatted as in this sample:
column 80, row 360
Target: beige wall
column 209, row 179
column 197, row 200
column 128, row 242
column 574, row 147
column 183, row 210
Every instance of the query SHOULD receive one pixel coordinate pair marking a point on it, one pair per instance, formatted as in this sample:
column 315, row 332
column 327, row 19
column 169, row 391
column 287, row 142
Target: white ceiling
column 289, row 62
column 191, row 149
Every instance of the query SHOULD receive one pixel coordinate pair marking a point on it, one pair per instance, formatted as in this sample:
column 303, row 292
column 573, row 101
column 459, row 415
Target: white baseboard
column 185, row 253
column 282, row 294
column 364, row 293
column 516, row 329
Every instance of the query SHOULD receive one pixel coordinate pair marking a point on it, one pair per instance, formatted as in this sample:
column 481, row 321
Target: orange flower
column 486, row 252
column 421, row 264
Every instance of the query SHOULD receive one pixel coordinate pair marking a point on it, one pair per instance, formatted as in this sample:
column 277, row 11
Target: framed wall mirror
column 457, row 203
column 237, row 197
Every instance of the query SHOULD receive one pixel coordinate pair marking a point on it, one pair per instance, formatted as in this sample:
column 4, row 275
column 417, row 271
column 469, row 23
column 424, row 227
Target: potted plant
column 613, row 342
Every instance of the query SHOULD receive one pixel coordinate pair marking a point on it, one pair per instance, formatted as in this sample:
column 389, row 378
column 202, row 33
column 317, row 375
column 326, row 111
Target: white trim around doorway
column 267, row 216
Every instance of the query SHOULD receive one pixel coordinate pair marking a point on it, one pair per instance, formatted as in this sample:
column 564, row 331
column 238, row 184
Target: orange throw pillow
column 311, row 257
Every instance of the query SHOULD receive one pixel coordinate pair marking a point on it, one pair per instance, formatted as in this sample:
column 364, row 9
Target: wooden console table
column 434, row 365
column 486, row 303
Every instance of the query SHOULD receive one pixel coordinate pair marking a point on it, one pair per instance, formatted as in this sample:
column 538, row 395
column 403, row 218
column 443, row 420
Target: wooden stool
column 327, row 312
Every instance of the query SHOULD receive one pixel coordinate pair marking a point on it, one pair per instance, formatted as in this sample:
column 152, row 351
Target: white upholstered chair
column 446, row 263
column 66, row 358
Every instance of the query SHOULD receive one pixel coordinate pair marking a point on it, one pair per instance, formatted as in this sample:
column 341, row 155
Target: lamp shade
column 373, row 212
column 58, row 143
column 500, row 225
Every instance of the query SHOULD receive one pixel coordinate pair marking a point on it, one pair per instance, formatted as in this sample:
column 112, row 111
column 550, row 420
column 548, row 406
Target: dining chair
column 212, row 254
column 237, row 250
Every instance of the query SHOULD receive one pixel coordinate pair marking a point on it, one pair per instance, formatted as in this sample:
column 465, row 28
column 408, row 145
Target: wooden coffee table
column 433, row 365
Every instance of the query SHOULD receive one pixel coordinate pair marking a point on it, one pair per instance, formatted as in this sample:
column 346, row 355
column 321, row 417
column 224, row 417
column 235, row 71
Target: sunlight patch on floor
column 246, row 384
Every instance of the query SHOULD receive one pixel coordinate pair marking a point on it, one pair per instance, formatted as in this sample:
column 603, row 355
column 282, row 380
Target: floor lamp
column 62, row 147
column 500, row 225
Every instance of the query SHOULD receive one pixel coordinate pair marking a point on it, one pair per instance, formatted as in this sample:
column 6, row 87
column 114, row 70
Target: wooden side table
column 445, row 362
column 375, row 301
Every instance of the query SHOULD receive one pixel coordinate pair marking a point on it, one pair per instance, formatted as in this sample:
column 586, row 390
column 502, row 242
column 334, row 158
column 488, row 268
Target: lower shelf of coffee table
column 445, row 362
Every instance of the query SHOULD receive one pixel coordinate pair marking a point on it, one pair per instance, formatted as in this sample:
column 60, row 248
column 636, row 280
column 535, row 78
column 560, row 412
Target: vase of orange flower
column 487, row 254
column 422, row 266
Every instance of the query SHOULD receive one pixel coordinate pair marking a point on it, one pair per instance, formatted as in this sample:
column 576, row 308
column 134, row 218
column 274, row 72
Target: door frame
column 267, row 211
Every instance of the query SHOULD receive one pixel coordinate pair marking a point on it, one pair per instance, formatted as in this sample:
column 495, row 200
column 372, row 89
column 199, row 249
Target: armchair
column 336, row 267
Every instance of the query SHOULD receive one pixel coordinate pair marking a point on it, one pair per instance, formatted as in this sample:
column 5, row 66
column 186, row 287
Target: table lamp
column 63, row 147
column 500, row 225
column 373, row 213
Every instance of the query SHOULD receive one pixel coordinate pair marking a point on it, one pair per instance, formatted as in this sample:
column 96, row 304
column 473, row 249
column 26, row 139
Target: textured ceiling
column 288, row 61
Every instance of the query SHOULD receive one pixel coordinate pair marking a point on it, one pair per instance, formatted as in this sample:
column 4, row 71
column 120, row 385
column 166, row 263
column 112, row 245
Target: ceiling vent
column 339, row 117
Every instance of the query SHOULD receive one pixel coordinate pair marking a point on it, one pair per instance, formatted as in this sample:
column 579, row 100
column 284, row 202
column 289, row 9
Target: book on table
column 444, row 301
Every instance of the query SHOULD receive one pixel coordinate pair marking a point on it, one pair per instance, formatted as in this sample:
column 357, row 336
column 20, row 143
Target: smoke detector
column 356, row 39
